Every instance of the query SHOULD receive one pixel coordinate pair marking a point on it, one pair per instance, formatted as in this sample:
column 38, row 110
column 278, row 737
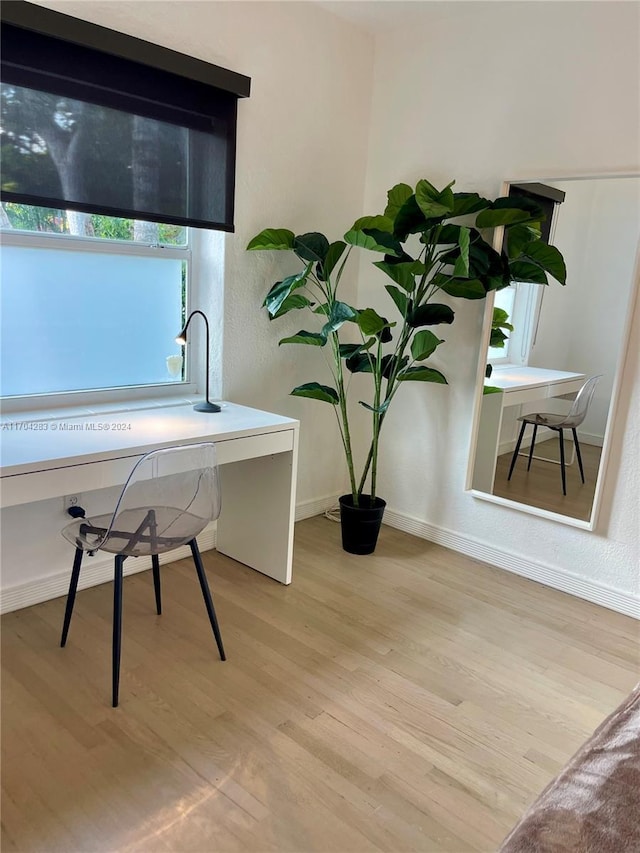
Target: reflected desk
column 47, row 457
column 518, row 385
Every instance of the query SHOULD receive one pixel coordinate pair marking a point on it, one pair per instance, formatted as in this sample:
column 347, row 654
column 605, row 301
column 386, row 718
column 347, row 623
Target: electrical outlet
column 71, row 500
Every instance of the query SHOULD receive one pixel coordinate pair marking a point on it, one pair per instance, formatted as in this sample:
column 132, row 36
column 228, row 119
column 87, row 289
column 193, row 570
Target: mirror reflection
column 558, row 338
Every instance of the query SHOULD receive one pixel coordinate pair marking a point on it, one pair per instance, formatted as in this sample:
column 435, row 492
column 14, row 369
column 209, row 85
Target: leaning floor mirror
column 551, row 340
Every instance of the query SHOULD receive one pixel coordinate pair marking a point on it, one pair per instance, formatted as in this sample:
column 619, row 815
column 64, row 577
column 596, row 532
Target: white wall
column 482, row 92
column 301, row 160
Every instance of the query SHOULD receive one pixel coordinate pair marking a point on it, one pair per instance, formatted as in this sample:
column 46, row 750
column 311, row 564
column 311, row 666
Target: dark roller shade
column 545, row 197
column 98, row 121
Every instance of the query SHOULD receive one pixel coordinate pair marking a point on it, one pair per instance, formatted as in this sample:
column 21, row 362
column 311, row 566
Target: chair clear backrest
column 170, row 497
column 580, row 406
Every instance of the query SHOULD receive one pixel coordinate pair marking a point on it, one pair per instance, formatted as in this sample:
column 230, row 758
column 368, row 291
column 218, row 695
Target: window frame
column 92, row 397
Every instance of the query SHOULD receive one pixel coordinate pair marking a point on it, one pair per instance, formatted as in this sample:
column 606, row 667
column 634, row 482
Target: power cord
column 333, row 513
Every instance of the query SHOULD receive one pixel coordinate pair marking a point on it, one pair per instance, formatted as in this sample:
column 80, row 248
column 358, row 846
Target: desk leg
column 258, row 513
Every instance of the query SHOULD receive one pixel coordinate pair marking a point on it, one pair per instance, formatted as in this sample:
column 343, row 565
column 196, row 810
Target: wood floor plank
column 412, row 700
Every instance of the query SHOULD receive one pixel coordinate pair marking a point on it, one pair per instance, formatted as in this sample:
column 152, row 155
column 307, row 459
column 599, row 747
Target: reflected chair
column 559, row 423
column 168, row 499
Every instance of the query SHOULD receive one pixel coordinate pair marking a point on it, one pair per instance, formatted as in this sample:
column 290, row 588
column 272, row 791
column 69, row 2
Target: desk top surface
column 520, row 377
column 38, row 442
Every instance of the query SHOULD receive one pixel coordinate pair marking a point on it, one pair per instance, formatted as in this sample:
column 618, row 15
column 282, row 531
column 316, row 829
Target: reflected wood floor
column 414, row 700
column 542, row 485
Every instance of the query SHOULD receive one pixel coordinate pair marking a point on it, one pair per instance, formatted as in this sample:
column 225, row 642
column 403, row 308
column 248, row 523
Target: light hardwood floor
column 414, row 700
column 541, row 486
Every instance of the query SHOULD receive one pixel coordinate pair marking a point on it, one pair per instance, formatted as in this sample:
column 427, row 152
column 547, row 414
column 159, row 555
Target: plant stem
column 376, row 424
column 346, row 434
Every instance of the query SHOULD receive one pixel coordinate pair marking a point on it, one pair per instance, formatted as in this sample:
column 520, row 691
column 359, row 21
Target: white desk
column 517, row 385
column 257, row 452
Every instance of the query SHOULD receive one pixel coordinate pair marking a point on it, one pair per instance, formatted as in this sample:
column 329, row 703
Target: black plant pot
column 360, row 524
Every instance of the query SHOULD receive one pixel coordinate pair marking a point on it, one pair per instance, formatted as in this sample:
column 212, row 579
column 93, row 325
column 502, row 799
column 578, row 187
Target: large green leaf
column 371, row 323
column 431, row 314
column 311, row 247
column 422, row 374
column 449, row 234
column 549, row 258
column 396, row 197
column 360, row 362
column 527, row 271
column 497, row 338
column 347, row 350
column 317, row 392
column 272, row 238
column 424, row 344
column 501, row 319
column 309, row 338
column 403, row 274
column 508, row 216
column 465, row 203
column 483, row 261
column 411, row 220
column 518, row 236
column 380, row 223
column 432, row 202
column 400, row 299
column 375, row 240
column 295, row 301
column 461, row 267
column 334, row 253
column 390, row 362
column 463, row 288
column 510, row 211
column 339, row 314
column 282, row 289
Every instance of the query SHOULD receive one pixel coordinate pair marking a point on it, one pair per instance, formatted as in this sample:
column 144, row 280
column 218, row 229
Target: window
column 133, row 142
column 89, row 302
column 522, row 301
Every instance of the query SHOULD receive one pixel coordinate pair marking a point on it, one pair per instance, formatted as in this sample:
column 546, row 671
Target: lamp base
column 206, row 407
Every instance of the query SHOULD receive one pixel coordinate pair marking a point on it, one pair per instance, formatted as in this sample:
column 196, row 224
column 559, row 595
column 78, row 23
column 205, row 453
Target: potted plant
column 429, row 244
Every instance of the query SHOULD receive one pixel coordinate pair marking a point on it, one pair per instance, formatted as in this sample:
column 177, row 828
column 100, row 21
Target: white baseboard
column 95, row 570
column 590, row 590
column 308, row 509
column 99, row 569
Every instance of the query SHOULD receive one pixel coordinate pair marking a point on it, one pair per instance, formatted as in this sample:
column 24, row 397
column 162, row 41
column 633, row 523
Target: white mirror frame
column 623, row 356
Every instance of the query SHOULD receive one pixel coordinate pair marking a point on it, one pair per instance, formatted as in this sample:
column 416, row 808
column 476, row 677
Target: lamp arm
column 206, row 322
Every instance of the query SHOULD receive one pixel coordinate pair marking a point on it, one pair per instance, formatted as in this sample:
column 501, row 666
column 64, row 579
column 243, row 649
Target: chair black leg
column 71, row 595
column 206, row 594
column 517, row 450
column 533, row 444
column 117, row 628
column 155, row 562
column 562, row 466
column 576, row 444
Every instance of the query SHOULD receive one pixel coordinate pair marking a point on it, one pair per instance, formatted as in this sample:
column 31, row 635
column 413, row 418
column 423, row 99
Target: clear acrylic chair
column 571, row 420
column 168, row 499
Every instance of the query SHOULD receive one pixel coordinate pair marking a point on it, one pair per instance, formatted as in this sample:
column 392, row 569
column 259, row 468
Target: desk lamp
column 207, row 405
